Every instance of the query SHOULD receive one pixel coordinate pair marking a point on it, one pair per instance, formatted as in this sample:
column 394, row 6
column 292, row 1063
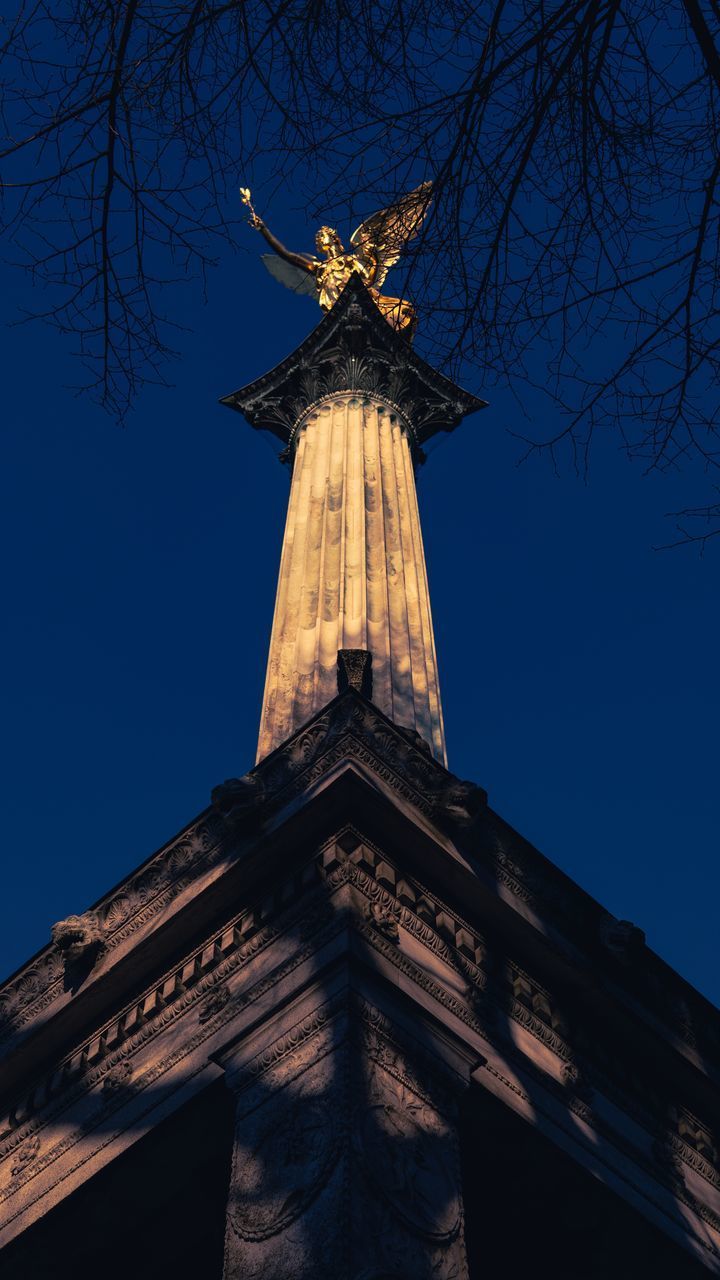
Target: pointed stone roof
column 354, row 349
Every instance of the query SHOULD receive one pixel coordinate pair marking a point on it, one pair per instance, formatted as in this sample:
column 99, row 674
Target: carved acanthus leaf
column 354, row 349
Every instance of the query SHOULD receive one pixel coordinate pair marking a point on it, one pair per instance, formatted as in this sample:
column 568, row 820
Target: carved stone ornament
column 384, row 919
column 346, row 1163
column 576, row 1082
column 126, row 909
column 622, row 938
column 354, row 671
column 77, row 935
column 215, row 1002
column 415, row 739
column 354, row 349
column 25, row 1154
column 347, row 727
column 463, row 801
column 117, row 1079
column 278, row 1175
column 407, row 1152
column 239, row 798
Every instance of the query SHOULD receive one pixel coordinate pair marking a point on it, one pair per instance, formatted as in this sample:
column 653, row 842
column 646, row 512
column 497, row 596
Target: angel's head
column 328, row 241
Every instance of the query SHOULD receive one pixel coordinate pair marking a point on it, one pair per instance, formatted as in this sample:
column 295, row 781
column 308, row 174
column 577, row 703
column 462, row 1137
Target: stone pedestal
column 345, row 1164
column 352, row 574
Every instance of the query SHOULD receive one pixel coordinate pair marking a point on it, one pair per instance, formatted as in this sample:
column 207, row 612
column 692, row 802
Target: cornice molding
column 123, row 912
column 485, row 1001
column 350, row 728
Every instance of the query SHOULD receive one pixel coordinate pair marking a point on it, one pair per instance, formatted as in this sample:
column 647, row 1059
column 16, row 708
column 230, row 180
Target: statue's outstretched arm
column 297, row 259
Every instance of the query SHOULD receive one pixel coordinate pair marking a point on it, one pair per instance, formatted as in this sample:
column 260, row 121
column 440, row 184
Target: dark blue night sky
column 578, row 665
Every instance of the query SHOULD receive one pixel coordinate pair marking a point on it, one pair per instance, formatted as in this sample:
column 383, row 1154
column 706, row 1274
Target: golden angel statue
column 374, row 248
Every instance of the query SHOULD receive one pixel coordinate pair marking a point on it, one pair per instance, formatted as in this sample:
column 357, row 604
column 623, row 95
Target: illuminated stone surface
column 352, row 573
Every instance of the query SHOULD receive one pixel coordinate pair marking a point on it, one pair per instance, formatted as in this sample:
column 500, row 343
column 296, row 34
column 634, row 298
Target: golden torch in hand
column 245, row 197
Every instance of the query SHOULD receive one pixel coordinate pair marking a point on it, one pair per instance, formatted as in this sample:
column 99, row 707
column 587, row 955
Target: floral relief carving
column 118, row 911
column 345, row 1155
column 407, row 1153
column 384, row 919
column 400, row 1056
column 708, row 1215
column 215, row 1003
column 280, row 1171
column 29, row 986
column 117, row 1080
column 25, row 1154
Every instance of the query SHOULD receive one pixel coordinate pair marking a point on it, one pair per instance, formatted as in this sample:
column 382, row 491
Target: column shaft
column 352, row 574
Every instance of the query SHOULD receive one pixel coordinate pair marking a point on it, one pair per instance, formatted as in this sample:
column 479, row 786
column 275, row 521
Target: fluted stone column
column 352, row 573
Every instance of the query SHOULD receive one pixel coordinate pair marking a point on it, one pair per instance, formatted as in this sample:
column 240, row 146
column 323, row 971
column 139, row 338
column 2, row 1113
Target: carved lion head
column 75, row 936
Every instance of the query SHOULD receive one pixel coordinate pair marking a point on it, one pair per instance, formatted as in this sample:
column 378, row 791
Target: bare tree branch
column 573, row 240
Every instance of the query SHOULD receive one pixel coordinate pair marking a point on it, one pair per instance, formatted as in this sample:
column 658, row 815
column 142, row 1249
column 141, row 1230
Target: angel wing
column 291, row 276
column 383, row 236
